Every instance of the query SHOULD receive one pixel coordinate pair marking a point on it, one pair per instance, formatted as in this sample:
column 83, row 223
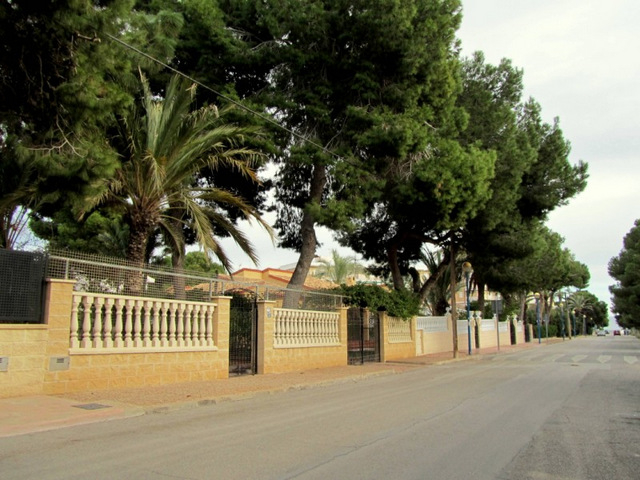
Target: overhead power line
column 223, row 96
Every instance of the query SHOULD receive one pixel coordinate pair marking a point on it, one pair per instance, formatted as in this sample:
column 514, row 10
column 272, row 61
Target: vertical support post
column 342, row 333
column 265, row 335
column 221, row 317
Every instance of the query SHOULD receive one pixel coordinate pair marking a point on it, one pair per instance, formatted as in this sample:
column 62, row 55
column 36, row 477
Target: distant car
column 600, row 333
column 616, row 332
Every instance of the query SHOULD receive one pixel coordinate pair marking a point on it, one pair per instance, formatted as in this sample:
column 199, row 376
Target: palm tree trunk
column 140, row 230
column 433, row 278
column 136, row 252
column 179, row 280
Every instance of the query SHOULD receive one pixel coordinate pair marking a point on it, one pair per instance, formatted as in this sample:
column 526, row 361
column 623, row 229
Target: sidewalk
column 21, row 415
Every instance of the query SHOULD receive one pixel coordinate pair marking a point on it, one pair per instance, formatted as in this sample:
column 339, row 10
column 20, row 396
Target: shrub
column 397, row 303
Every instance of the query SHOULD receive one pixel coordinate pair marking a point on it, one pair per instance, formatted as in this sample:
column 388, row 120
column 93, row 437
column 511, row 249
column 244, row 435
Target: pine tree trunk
column 454, row 312
column 309, row 240
column 392, row 256
column 480, row 286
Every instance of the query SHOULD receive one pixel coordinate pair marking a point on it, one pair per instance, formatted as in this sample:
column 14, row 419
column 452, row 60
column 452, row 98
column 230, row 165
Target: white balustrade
column 399, row 330
column 305, row 328
column 432, row 324
column 463, row 327
column 488, row 325
column 107, row 323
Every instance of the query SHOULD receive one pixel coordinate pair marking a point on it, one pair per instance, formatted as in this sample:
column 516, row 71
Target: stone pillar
column 221, row 327
column 57, row 317
column 343, row 332
column 266, row 330
column 384, row 335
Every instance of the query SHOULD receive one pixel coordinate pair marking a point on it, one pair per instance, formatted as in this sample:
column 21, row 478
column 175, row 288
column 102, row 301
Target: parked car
column 616, row 332
column 601, row 333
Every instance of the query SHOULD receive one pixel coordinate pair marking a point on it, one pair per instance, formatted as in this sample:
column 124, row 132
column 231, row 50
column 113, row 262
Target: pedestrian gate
column 243, row 334
column 363, row 334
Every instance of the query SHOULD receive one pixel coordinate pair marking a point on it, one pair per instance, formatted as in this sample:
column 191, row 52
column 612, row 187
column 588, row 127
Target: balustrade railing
column 104, row 322
column 399, row 330
column 463, row 327
column 488, row 325
column 305, row 328
column 432, row 324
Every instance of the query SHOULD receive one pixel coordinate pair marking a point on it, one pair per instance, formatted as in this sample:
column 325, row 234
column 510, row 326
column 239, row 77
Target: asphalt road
column 566, row 411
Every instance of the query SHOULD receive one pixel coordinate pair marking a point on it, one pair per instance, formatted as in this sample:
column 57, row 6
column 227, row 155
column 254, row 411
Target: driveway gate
column 363, row 334
column 242, row 334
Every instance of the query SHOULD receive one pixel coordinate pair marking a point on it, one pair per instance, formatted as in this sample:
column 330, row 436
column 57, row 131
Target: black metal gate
column 22, row 276
column 363, row 335
column 242, row 334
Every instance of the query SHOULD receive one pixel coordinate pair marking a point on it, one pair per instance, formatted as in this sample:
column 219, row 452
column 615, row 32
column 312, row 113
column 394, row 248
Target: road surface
column 565, row 411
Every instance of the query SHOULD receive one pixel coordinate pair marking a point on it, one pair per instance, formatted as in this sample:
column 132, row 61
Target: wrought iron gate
column 363, row 334
column 242, row 334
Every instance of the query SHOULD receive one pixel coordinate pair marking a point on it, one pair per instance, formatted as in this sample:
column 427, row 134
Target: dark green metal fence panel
column 242, row 334
column 22, row 276
column 363, row 335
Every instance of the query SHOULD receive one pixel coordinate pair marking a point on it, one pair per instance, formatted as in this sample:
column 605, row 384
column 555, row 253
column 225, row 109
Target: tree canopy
column 164, row 145
column 625, row 270
column 376, row 127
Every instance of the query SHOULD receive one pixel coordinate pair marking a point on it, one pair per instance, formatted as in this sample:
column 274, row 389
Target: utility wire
column 221, row 95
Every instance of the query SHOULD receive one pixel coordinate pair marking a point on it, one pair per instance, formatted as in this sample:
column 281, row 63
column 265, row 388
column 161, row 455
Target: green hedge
column 397, row 303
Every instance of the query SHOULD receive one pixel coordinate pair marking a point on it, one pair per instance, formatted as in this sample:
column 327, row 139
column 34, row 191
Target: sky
column 581, row 63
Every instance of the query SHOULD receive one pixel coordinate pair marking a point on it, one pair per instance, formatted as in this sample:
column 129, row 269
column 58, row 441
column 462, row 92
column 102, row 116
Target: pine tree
column 625, row 269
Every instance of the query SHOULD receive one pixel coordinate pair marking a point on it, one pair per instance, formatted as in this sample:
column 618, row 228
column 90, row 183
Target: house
column 276, row 277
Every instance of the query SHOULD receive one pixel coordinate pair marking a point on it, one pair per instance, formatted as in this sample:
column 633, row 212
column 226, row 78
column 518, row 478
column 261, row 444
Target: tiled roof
column 271, row 277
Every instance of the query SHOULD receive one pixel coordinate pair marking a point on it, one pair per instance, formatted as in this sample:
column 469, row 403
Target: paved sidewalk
column 22, row 415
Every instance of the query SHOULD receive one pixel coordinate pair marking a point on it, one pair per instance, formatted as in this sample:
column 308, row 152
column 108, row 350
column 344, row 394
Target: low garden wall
column 398, row 338
column 292, row 340
column 434, row 334
column 76, row 349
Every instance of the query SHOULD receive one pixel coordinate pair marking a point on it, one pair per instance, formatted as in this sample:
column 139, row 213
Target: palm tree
column 581, row 304
column 17, row 194
column 339, row 268
column 436, row 289
column 164, row 145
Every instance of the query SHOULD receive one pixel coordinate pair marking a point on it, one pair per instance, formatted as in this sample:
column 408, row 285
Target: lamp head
column 466, row 267
column 537, row 295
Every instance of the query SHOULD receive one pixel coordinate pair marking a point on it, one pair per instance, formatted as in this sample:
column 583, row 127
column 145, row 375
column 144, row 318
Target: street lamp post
column 560, row 306
column 467, row 269
column 537, row 295
column 546, row 326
